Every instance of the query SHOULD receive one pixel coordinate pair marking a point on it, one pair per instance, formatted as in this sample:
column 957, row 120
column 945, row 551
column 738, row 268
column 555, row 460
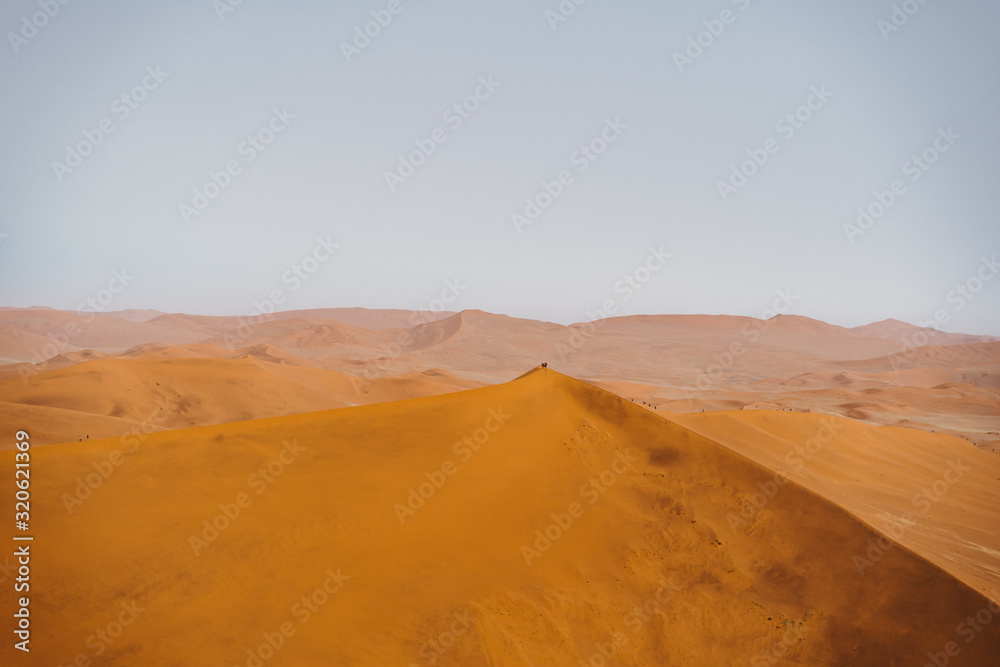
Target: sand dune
column 133, row 314
column 307, row 332
column 925, row 378
column 974, row 354
column 677, row 362
column 165, row 391
column 901, row 332
column 189, row 391
column 880, row 475
column 23, row 345
column 640, row 560
column 51, row 424
column 375, row 319
column 62, row 331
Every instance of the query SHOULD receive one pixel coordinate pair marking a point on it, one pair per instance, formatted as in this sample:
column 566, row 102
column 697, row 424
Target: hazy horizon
column 473, row 308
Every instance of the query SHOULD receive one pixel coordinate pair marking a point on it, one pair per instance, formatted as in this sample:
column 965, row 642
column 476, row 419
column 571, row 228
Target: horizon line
column 450, row 313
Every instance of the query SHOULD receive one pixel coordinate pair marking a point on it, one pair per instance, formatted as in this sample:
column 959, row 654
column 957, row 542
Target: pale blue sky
column 656, row 184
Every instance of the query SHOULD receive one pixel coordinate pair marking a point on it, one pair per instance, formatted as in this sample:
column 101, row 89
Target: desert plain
column 352, row 486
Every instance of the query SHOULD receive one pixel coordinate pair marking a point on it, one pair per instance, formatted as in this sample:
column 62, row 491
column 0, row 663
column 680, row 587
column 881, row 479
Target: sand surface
column 640, row 558
column 887, row 373
column 391, row 488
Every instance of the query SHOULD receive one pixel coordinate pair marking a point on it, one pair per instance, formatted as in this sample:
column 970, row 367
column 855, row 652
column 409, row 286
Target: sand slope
column 162, row 390
column 938, row 491
column 645, row 564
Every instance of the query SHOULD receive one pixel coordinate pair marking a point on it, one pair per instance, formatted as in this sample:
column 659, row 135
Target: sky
column 536, row 158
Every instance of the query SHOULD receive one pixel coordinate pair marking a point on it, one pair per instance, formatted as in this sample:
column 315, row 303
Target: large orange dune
column 542, row 521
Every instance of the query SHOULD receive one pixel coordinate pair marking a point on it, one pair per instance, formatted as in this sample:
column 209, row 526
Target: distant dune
column 375, row 319
column 133, row 314
column 542, row 521
column 902, row 332
column 684, row 363
column 947, row 356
